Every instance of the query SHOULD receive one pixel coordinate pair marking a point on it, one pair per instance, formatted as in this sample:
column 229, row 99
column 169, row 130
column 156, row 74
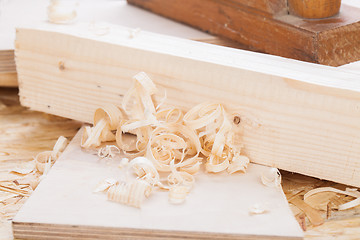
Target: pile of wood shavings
column 167, row 140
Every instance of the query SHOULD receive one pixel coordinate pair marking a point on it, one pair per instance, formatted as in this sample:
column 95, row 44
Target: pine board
column 297, row 116
column 64, row 206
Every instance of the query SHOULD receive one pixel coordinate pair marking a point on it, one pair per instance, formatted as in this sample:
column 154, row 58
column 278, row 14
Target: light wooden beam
column 297, row 116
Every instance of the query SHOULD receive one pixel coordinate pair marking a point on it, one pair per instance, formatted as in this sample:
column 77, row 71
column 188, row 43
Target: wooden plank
column 333, row 41
column 297, row 116
column 63, row 206
column 269, row 7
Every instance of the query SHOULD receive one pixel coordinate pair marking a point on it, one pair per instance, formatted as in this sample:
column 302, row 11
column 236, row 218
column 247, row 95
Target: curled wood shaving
column 180, row 178
column 271, row 178
column 62, row 12
column 177, row 194
column 124, row 162
column 350, row 192
column 174, row 143
column 257, row 209
column 220, row 138
column 170, row 116
column 46, row 159
column 112, row 115
column 238, row 164
column 145, row 170
column 92, row 136
column 109, row 151
column 131, row 194
column 59, row 147
column 106, row 119
column 105, row 185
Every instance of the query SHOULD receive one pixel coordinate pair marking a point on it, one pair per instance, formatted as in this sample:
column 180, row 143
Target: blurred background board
column 274, row 26
column 17, row 13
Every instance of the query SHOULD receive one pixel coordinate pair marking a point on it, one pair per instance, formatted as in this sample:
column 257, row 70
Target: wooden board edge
column 8, row 79
column 341, row 53
column 24, row 230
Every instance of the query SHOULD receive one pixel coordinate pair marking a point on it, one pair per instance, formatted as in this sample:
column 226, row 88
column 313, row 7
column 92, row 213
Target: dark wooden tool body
column 267, row 26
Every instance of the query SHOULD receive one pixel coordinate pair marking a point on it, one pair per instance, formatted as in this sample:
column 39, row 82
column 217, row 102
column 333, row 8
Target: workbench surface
column 24, row 133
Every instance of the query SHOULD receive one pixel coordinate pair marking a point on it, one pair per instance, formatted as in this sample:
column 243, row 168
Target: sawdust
column 23, row 134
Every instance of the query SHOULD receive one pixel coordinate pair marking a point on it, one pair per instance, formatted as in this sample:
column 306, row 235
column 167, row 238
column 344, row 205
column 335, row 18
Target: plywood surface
column 216, row 207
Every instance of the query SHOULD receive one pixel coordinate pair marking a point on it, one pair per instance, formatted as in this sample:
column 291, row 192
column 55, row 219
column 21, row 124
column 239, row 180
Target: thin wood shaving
column 62, row 12
column 109, row 151
column 177, row 194
column 271, row 178
column 105, row 185
column 131, row 194
column 145, row 170
column 257, row 209
column 124, row 162
column 46, row 159
column 350, row 192
column 166, row 140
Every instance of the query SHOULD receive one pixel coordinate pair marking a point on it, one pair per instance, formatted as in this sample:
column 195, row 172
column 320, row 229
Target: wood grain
column 8, row 79
column 269, row 7
column 282, row 34
column 297, row 116
column 8, row 76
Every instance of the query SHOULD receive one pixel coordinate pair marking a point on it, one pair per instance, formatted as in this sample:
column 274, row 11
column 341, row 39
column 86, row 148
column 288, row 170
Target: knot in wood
column 237, row 120
column 61, row 65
